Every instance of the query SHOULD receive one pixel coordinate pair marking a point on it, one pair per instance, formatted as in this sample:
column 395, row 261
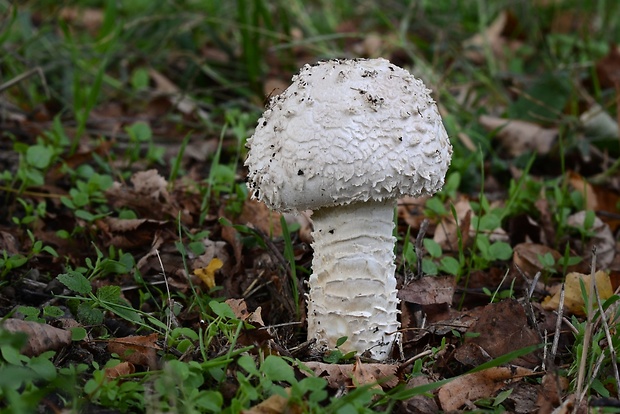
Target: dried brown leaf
column 8, row 243
column 520, row 137
column 260, row 217
column 149, row 196
column 428, row 290
column 603, row 240
column 446, row 233
column 181, row 101
column 339, row 374
column 573, row 299
column 276, row 404
column 89, row 18
column 240, row 309
column 496, row 38
column 608, row 68
column 139, row 350
column 526, row 257
column 362, row 375
column 483, row 384
column 551, row 392
column 411, row 210
column 501, row 328
column 420, row 404
column 132, row 233
column 41, row 337
column 119, row 370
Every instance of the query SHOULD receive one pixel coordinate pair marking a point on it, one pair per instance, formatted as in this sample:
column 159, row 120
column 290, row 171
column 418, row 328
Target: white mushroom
column 345, row 140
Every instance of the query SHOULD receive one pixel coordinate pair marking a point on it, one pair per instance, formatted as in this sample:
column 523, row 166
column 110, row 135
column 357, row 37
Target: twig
column 558, row 323
column 34, row 71
column 169, row 300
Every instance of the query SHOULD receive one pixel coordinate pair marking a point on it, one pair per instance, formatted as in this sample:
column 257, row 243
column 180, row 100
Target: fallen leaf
column 139, row 350
column 240, row 309
column 41, row 337
column 520, row 137
column 339, row 374
column 411, row 210
column 132, row 233
column 8, row 243
column 602, row 240
column 597, row 198
column 207, row 274
column 423, row 403
column 472, row 387
column 181, row 101
column 428, row 290
column 496, row 38
column 276, row 404
column 89, row 18
column 527, row 257
column 501, row 328
column 119, row 370
column 149, row 196
column 362, row 375
column 551, row 392
column 261, row 217
column 446, row 233
column 608, row 68
column 573, row 300
column 598, row 124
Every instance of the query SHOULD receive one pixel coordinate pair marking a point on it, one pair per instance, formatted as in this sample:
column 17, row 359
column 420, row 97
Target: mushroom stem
column 352, row 287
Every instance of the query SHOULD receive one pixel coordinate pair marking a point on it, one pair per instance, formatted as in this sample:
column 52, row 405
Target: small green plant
column 124, row 394
column 336, row 356
column 88, row 195
column 435, row 264
column 89, row 306
column 31, row 313
column 14, row 261
column 141, row 136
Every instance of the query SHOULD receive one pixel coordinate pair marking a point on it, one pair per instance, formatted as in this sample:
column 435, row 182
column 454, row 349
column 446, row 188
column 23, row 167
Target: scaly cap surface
column 348, row 131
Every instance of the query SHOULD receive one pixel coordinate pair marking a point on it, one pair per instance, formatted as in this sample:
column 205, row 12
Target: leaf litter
column 242, row 260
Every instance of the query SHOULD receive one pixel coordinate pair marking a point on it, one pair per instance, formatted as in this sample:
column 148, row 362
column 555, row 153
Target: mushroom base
column 352, row 287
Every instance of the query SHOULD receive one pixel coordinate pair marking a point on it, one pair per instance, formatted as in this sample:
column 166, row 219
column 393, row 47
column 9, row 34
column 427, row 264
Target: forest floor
column 137, row 275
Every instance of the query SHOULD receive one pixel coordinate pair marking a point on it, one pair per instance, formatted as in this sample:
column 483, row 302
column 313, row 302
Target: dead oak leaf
column 139, row 350
column 472, row 387
column 502, row 328
column 240, row 309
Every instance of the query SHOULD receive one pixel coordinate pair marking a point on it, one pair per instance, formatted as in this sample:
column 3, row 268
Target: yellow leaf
column 207, row 274
column 573, row 299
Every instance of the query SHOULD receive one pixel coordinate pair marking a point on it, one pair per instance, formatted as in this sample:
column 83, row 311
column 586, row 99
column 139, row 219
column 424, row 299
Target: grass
column 92, row 95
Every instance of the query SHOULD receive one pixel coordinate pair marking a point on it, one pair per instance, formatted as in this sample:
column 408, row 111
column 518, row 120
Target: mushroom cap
column 348, row 131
